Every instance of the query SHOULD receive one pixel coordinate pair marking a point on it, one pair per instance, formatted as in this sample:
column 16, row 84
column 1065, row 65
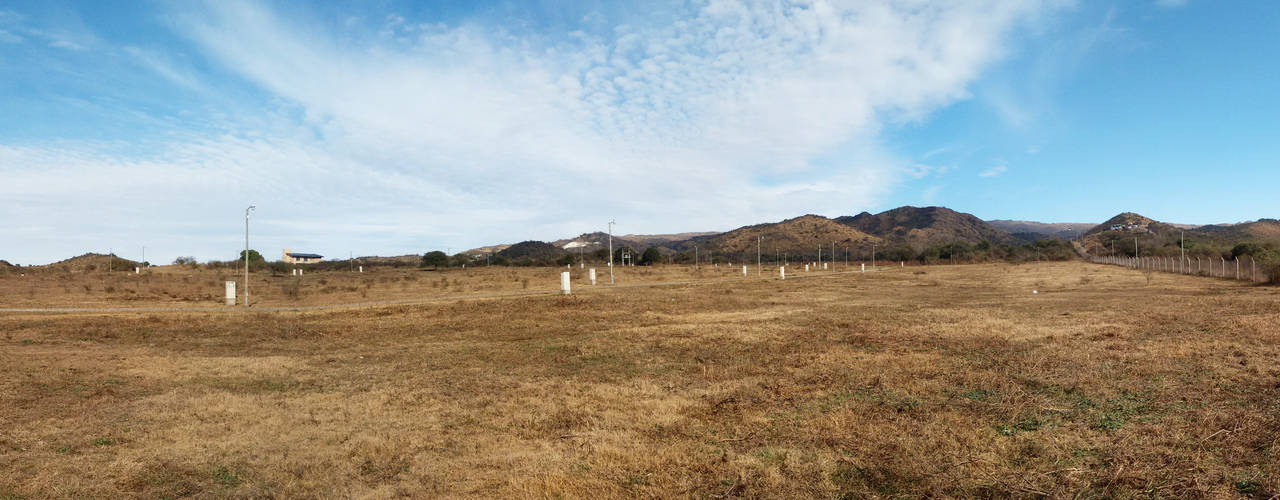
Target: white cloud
column 993, row 171
column 7, row 37
column 466, row 135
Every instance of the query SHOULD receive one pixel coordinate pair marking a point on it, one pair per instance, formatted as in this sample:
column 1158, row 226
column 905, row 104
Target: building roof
column 297, row 255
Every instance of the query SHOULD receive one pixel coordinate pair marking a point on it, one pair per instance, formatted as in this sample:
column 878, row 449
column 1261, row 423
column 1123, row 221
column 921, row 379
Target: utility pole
column 873, row 256
column 819, row 254
column 246, row 254
column 695, row 257
column 611, row 223
column 759, row 239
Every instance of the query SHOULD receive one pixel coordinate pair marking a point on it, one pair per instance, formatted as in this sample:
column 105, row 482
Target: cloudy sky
column 393, row 127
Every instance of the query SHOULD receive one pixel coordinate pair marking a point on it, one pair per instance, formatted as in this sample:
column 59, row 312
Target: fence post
column 1237, row 268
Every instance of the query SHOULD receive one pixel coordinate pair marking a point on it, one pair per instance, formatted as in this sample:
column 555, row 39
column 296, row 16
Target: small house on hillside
column 292, row 257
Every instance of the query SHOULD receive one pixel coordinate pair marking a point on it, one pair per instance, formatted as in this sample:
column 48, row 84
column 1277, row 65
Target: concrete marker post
column 231, row 293
column 864, row 267
column 782, row 273
column 744, row 270
column 806, row 268
column 591, row 274
column 564, row 283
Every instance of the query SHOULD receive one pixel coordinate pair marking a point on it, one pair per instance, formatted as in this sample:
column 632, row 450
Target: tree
column 650, row 257
column 184, row 261
column 254, row 257
column 435, row 258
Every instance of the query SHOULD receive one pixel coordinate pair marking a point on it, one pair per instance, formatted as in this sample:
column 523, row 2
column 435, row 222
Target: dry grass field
column 944, row 381
column 179, row 286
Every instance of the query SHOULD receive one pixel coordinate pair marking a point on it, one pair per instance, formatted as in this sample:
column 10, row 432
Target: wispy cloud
column 993, row 171
column 465, row 134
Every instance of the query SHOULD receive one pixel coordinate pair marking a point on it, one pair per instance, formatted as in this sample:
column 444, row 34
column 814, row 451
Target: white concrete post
column 824, row 266
column 782, row 273
column 231, row 293
column 902, row 264
column 744, row 270
column 1237, row 268
column 864, row 267
column 137, row 270
column 362, row 269
column 806, row 268
column 564, row 283
column 592, row 275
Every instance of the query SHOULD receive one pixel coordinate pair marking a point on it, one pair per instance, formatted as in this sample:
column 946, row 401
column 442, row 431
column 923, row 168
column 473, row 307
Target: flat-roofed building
column 292, row 257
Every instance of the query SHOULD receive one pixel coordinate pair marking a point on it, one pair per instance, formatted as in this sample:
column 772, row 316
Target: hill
column 1031, row 230
column 797, row 237
column 919, row 228
column 1260, row 230
column 93, row 262
column 1126, row 221
column 590, row 242
column 661, row 239
column 532, row 251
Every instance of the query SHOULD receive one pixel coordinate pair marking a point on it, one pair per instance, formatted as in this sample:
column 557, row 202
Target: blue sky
column 400, row 127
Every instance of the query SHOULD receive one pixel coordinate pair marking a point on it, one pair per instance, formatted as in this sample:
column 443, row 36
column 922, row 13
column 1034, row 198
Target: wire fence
column 1233, row 269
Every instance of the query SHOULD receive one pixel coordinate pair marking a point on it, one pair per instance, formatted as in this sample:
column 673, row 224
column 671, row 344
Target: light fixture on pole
column 246, row 253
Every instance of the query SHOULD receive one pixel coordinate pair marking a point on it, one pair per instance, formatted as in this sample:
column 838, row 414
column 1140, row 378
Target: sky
column 389, row 127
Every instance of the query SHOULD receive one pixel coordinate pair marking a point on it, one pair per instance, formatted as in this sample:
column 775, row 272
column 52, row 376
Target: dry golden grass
column 179, row 286
column 936, row 381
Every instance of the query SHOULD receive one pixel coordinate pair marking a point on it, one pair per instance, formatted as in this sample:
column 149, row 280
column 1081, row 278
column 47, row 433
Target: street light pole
column 611, row 223
column 246, row 254
column 758, row 240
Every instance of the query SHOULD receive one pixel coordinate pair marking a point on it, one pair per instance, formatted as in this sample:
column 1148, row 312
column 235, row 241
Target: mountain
column 919, row 228
column 1031, row 230
column 799, row 236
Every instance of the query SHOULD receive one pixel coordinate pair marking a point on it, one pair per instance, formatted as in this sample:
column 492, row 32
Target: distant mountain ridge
column 796, row 236
column 1060, row 230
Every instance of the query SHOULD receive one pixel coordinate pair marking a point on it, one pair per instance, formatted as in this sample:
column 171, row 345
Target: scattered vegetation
column 953, row 383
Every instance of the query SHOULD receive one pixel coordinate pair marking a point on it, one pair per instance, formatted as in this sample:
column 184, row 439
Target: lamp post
column 758, row 239
column 246, row 253
column 611, row 223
